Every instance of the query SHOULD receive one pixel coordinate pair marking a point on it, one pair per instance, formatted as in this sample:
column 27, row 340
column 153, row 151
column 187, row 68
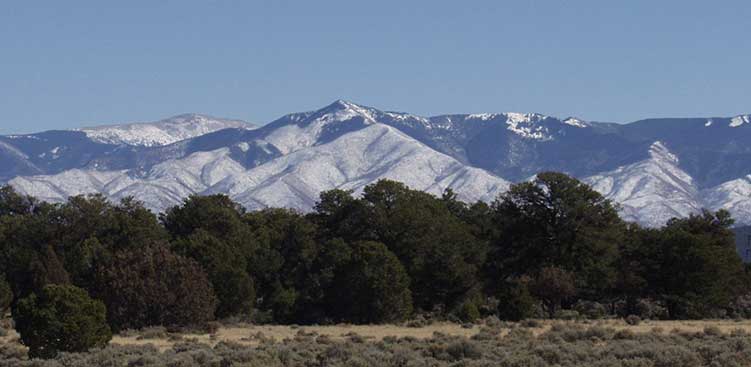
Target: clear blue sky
column 72, row 63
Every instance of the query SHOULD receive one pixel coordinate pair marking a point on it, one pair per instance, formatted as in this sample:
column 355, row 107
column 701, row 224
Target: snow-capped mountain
column 655, row 169
column 734, row 196
column 651, row 191
column 519, row 145
column 162, row 132
column 340, row 146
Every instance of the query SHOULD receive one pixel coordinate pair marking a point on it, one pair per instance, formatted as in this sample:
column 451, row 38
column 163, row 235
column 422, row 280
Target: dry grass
column 10, row 337
column 249, row 334
column 253, row 334
column 534, row 343
column 645, row 326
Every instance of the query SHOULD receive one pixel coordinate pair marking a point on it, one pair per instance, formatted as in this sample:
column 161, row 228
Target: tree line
column 550, row 247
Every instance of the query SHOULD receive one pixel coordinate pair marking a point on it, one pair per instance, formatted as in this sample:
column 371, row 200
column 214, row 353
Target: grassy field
column 252, row 334
column 529, row 343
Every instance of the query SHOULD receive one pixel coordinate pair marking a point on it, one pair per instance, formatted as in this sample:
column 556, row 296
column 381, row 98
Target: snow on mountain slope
column 73, row 182
column 345, row 145
column 740, row 120
column 733, row 196
column 527, row 125
column 308, row 129
column 651, row 191
column 358, row 159
column 294, row 180
column 162, row 132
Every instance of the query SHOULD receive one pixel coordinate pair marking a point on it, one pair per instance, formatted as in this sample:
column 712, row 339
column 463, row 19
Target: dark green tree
column 372, row 287
column 72, row 237
column 556, row 220
column 117, row 226
column 633, row 268
column 283, row 261
column 48, row 269
column 61, row 318
column 340, row 215
column 692, row 265
column 27, row 256
column 515, row 302
column 438, row 250
column 211, row 230
column 12, row 203
column 215, row 214
column 226, row 268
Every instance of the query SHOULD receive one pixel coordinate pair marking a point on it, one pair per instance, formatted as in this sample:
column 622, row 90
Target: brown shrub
column 152, row 286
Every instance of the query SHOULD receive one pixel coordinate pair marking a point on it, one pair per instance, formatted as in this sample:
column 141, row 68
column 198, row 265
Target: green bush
column 567, row 315
column 463, row 350
column 651, row 309
column 515, row 303
column 468, row 312
column 61, row 318
column 591, row 310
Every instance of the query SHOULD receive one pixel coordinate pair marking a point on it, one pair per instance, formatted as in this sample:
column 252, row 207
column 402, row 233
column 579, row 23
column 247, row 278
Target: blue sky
column 67, row 64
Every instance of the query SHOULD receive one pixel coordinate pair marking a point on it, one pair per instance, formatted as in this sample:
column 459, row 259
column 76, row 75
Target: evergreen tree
column 692, row 265
column 372, row 287
column 556, row 220
column 515, row 301
column 12, row 203
column 152, row 286
column 215, row 214
column 211, row 230
column 61, row 318
column 283, row 260
column 438, row 250
column 226, row 268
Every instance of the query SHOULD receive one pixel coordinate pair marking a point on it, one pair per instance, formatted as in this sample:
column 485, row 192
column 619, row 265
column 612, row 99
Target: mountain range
column 655, row 169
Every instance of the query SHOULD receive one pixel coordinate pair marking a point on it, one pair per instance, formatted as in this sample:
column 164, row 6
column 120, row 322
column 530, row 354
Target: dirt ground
column 252, row 334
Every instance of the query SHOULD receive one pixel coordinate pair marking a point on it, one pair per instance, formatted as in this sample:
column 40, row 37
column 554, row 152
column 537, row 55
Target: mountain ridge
column 654, row 168
column 162, row 132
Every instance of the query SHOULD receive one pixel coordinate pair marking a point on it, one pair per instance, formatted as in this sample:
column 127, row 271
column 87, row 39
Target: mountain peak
column 340, row 104
column 341, row 110
column 186, row 117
